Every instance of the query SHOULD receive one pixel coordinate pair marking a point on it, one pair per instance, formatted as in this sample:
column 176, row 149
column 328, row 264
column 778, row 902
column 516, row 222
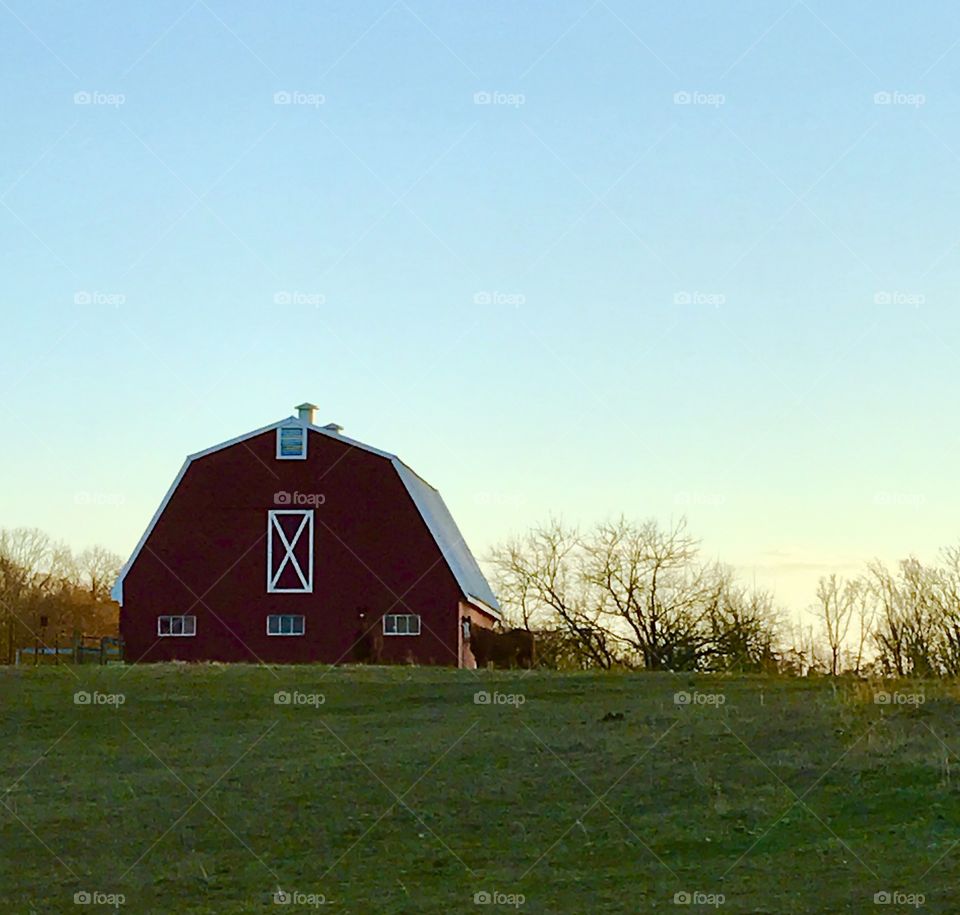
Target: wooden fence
column 84, row 649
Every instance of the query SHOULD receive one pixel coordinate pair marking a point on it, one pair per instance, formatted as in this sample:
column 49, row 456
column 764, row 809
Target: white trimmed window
column 401, row 624
column 176, row 625
column 290, row 551
column 291, row 443
column 285, row 624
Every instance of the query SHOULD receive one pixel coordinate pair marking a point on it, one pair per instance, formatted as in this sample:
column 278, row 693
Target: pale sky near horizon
column 576, row 258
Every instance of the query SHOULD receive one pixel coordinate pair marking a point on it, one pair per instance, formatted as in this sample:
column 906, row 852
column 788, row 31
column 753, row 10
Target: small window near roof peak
column 291, row 443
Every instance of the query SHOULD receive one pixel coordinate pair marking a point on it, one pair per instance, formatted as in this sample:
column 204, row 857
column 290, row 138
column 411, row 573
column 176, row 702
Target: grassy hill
column 396, row 790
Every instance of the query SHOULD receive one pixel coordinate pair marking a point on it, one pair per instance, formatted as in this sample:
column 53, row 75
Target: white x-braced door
column 290, row 551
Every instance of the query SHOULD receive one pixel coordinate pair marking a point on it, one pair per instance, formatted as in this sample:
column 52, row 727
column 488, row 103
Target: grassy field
column 202, row 789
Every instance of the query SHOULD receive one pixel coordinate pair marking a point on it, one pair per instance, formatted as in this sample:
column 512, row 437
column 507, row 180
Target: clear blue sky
column 681, row 261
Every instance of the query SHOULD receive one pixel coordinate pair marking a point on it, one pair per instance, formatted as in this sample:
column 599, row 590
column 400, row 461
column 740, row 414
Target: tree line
column 49, row 593
column 902, row 621
column 638, row 595
column 618, row 595
column 632, row 595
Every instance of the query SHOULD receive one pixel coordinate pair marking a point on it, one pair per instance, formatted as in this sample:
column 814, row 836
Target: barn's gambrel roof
column 428, row 501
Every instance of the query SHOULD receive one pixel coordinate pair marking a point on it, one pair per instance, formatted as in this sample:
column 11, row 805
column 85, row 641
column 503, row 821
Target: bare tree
column 908, row 632
column 946, row 596
column 632, row 595
column 743, row 628
column 98, row 569
column 47, row 594
column 835, row 604
column 865, row 610
column 538, row 578
column 889, row 633
column 653, row 587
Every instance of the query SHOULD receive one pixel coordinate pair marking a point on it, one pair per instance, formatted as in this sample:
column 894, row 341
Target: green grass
column 401, row 794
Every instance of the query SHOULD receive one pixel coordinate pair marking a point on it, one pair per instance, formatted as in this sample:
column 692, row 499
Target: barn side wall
column 206, row 556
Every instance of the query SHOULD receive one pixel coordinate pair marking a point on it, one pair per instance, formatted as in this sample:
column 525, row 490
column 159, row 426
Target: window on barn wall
column 291, row 443
column 401, row 624
column 176, row 625
column 285, row 624
column 290, row 551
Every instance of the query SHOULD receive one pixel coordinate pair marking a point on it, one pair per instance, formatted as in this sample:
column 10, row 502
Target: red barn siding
column 206, row 556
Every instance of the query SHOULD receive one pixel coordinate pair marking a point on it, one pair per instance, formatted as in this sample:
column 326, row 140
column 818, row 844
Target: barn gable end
column 428, row 501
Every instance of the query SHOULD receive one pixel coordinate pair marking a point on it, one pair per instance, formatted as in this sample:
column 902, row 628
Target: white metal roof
column 440, row 522
column 428, row 501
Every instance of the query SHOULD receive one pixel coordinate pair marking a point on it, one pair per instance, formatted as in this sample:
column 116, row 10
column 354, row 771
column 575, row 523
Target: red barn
column 294, row 543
